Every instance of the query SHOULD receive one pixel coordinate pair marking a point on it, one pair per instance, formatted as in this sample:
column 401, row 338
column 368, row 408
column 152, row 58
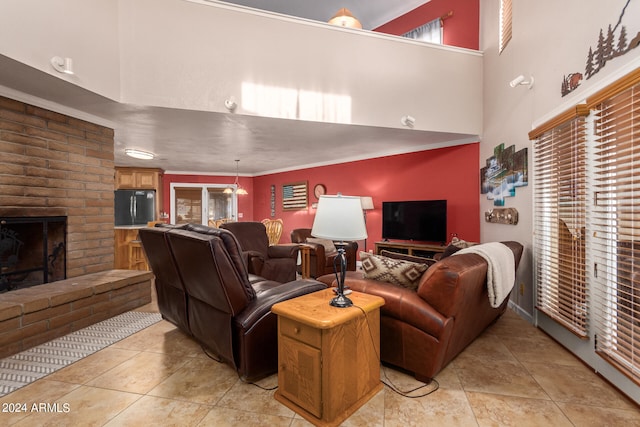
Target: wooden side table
column 328, row 357
column 305, row 252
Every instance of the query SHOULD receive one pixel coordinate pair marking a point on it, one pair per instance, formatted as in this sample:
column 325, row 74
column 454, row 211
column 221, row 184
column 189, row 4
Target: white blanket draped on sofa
column 501, row 271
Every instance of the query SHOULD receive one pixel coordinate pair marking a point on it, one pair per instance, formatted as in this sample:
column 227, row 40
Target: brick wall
column 53, row 164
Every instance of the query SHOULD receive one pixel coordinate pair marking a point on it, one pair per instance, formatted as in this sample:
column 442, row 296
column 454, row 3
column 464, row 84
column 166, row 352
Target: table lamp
column 339, row 218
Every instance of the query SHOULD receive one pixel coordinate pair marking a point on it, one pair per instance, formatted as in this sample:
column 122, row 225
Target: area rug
column 23, row 368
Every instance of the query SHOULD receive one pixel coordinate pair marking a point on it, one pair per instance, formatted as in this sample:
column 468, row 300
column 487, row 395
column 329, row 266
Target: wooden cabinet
column 328, row 357
column 135, row 179
column 141, row 179
column 138, row 179
column 417, row 249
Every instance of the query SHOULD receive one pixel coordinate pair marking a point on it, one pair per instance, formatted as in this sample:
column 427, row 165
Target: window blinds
column 560, row 204
column 616, row 230
column 505, row 23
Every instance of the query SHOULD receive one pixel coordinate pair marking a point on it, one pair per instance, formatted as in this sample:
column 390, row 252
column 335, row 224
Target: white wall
column 33, row 31
column 203, row 58
column 194, row 55
column 551, row 39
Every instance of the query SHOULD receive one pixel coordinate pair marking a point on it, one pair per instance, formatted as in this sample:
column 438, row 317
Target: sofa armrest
column 445, row 284
column 283, row 251
column 268, row 293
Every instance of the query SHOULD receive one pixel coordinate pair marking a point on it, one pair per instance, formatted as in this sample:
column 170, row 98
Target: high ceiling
column 200, row 142
column 370, row 13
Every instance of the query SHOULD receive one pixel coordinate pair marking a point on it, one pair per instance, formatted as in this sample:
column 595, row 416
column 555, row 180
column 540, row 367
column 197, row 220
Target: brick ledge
column 31, row 316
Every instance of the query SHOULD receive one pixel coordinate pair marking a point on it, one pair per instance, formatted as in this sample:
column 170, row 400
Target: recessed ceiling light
column 138, row 154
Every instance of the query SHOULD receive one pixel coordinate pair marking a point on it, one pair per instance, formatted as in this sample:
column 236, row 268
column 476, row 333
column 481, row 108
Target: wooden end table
column 328, row 357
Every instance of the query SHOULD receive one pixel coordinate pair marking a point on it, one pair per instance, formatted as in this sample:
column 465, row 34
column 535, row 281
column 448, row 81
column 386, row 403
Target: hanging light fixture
column 239, row 189
column 344, row 18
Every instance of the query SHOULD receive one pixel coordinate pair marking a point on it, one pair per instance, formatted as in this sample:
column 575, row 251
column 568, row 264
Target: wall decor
column 273, row 201
column 294, row 196
column 505, row 171
column 502, row 216
column 606, row 49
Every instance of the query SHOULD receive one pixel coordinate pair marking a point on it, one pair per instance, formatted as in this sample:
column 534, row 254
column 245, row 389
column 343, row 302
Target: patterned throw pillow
column 397, row 272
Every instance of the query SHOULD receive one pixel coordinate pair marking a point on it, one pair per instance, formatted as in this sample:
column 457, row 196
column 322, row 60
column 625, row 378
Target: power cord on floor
column 388, row 382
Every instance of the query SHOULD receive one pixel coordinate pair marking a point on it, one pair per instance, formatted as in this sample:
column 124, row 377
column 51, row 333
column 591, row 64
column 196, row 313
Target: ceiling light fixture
column 239, row 190
column 138, row 154
column 62, row 65
column 344, row 18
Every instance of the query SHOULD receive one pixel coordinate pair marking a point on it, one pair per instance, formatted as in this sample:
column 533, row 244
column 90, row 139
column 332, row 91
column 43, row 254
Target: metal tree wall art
column 607, row 47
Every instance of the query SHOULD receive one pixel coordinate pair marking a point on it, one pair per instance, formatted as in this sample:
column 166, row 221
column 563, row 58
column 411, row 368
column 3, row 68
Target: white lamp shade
column 339, row 218
column 367, row 203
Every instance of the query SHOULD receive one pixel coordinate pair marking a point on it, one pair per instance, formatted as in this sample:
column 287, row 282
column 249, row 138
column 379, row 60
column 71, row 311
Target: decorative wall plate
column 319, row 190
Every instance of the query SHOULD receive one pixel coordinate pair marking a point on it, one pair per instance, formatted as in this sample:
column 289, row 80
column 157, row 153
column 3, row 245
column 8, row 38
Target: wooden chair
column 274, row 230
column 137, row 257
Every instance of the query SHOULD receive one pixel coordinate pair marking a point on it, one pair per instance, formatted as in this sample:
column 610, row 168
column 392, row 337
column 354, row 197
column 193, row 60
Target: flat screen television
column 422, row 220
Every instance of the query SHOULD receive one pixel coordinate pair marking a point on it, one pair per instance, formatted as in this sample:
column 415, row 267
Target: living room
column 508, row 114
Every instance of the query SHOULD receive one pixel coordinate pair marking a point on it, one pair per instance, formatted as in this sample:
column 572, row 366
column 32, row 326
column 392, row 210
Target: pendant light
column 344, row 18
column 239, row 190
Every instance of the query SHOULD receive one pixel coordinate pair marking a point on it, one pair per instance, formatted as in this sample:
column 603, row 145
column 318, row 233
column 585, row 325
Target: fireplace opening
column 32, row 251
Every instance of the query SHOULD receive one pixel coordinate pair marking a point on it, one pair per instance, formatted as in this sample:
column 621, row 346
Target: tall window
column 505, row 23
column 616, row 229
column 560, row 203
column 587, row 226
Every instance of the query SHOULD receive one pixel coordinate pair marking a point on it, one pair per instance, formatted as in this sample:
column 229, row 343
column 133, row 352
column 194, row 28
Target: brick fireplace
column 54, row 165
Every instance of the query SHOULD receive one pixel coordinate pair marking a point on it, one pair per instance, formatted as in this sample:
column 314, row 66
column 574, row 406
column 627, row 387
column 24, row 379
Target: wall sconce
column 407, row 121
column 138, row 154
column 521, row 81
column 62, row 65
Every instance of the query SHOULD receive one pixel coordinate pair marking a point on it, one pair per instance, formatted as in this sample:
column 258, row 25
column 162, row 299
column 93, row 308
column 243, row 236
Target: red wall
column 446, row 173
column 461, row 30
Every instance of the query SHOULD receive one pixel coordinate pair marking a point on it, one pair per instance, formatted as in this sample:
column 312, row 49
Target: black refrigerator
column 135, row 207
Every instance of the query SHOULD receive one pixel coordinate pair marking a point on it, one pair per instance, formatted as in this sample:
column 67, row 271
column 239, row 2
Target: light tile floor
column 511, row 375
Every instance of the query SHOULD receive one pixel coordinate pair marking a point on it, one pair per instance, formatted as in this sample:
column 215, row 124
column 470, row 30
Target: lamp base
column 341, row 301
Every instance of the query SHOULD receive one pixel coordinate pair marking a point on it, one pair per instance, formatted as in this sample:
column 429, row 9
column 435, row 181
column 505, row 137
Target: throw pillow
column 328, row 244
column 397, row 272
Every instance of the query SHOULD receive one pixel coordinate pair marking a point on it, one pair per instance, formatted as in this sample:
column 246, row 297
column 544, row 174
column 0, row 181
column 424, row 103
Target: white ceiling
column 202, row 142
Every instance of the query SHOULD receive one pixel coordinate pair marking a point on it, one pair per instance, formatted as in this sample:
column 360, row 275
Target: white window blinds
column 505, row 24
column 560, row 204
column 616, row 230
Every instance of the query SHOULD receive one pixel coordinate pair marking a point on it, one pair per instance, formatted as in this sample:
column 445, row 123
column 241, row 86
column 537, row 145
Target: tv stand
column 409, row 248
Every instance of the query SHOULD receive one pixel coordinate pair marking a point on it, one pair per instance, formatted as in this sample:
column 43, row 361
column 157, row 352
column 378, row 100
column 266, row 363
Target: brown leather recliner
column 276, row 262
column 321, row 261
column 422, row 330
column 222, row 306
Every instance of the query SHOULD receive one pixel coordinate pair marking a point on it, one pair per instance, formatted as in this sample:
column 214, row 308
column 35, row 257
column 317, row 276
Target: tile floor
column 511, row 375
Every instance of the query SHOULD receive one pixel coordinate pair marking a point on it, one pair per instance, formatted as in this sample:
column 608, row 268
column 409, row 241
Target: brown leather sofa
column 204, row 288
column 320, row 260
column 275, row 262
column 421, row 331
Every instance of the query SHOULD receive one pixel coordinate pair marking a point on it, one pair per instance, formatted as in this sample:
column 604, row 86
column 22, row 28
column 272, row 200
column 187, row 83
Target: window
column 201, row 204
column 429, row 32
column 616, row 230
column 505, row 23
column 587, row 226
column 560, row 203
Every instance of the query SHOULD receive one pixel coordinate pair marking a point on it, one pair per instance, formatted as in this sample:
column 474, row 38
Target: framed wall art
column 294, row 196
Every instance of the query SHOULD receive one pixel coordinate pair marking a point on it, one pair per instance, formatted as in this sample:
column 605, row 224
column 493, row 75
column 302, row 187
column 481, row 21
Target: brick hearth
column 32, row 316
